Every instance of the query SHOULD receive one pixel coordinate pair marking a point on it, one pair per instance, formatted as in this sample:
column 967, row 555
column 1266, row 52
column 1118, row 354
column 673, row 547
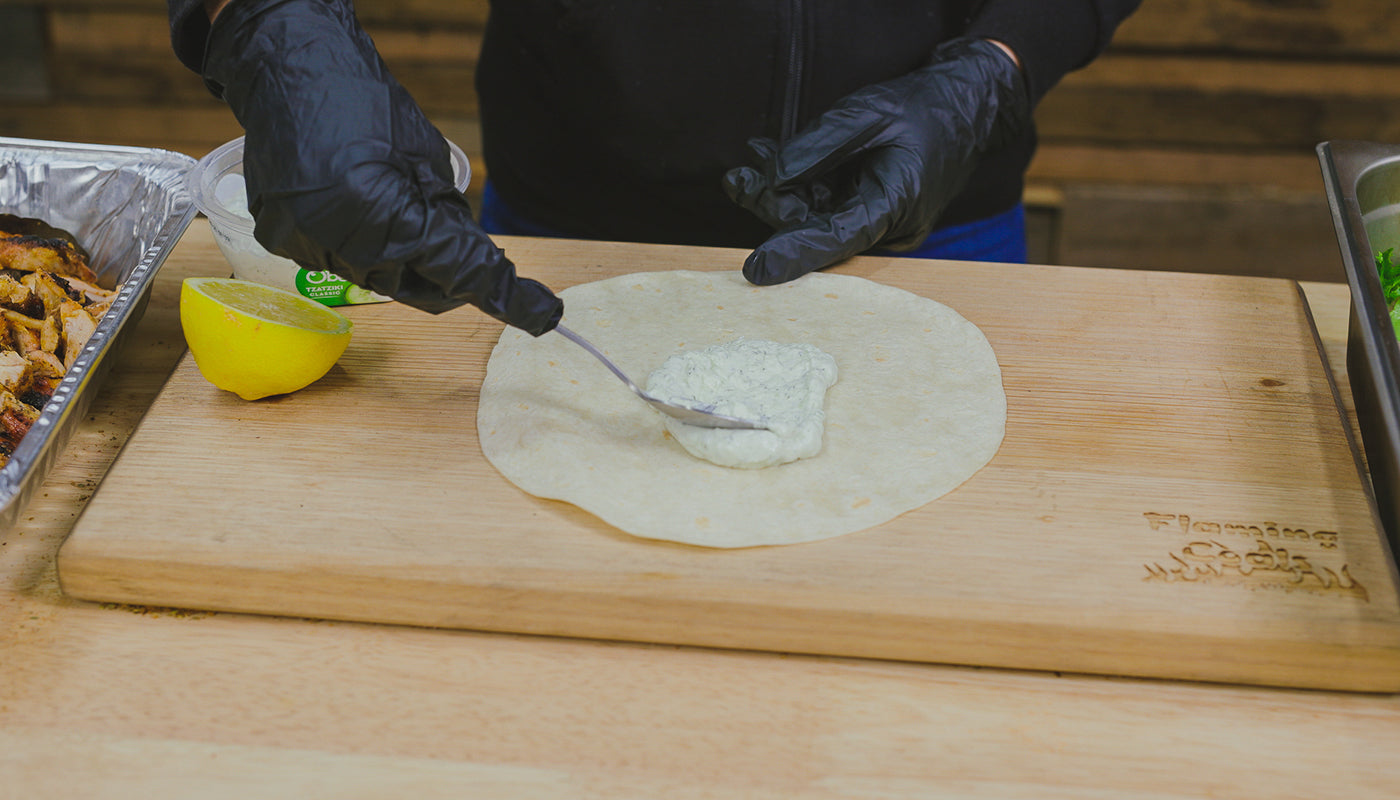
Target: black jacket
column 614, row 119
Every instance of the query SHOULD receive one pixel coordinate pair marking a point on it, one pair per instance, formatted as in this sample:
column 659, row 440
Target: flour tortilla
column 918, row 407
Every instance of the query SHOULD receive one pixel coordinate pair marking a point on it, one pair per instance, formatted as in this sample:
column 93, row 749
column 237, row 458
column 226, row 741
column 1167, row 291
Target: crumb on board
column 157, row 611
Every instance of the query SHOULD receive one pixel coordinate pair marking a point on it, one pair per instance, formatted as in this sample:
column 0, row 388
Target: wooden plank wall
column 1188, row 146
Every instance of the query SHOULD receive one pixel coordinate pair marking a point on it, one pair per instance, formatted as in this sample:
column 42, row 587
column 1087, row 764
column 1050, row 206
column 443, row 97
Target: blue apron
column 1001, row 237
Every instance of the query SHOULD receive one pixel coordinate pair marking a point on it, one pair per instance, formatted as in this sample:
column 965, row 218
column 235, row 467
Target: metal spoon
column 690, row 415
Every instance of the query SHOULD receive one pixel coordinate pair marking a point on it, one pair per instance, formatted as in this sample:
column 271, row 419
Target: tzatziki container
column 216, row 184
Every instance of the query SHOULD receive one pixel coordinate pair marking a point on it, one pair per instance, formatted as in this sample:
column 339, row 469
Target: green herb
column 1389, row 270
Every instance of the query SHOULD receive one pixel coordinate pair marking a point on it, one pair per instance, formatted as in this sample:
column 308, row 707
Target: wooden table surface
column 117, row 701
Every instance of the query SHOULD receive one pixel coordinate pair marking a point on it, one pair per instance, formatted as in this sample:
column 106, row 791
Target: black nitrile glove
column 882, row 165
column 344, row 171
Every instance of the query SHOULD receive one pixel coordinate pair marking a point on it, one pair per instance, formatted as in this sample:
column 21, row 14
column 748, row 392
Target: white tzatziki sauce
column 780, row 385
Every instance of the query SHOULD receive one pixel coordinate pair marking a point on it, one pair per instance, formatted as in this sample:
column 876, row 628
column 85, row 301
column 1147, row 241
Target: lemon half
column 256, row 340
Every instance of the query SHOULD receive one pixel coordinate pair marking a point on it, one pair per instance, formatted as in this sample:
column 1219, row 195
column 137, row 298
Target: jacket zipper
column 792, row 94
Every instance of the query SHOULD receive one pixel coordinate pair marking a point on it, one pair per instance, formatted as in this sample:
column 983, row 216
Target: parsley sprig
column 1389, row 269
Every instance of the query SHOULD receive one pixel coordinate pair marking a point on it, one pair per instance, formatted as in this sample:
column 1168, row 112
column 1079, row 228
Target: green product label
column 330, row 289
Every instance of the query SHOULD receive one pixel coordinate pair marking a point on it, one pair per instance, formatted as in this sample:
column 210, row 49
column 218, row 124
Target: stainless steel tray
column 1362, row 180
column 127, row 206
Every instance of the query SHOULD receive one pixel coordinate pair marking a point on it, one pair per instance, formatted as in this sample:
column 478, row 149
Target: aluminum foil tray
column 127, row 206
column 1362, row 180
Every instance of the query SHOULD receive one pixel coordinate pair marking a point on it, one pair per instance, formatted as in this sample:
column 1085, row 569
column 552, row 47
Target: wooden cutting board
column 1177, row 496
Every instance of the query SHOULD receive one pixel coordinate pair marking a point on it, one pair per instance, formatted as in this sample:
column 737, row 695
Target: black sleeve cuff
column 1050, row 38
column 189, row 30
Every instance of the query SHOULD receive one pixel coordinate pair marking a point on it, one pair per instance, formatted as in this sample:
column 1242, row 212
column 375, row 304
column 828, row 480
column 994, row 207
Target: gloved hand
column 882, row 165
column 345, row 173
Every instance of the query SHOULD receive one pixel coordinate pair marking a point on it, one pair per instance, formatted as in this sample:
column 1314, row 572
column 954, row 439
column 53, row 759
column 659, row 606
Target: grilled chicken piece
column 47, row 372
column 13, row 294
column 32, row 226
column 94, row 293
column 44, row 254
column 99, row 310
column 49, row 290
column 78, row 327
column 16, row 418
column 27, row 338
column 14, row 372
column 50, row 337
column 24, row 330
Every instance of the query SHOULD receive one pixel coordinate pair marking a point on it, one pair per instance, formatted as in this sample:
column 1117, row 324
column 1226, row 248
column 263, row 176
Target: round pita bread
column 918, row 407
